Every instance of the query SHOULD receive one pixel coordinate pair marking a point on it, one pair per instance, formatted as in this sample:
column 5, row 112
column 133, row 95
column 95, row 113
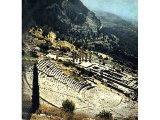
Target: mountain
column 112, row 20
column 71, row 20
column 126, row 31
column 132, row 21
column 61, row 15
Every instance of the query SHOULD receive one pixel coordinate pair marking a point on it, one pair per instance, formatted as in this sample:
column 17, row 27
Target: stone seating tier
column 52, row 70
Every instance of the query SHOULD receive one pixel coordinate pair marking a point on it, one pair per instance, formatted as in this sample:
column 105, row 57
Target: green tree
column 35, row 90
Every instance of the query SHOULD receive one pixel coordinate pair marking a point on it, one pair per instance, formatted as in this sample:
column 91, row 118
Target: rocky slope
column 61, row 15
column 124, row 30
column 72, row 21
column 127, row 33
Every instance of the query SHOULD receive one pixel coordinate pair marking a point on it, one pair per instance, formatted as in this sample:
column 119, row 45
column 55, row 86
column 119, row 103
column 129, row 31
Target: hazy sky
column 124, row 8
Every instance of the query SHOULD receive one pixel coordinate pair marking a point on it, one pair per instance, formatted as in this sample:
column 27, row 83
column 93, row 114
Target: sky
column 124, row 8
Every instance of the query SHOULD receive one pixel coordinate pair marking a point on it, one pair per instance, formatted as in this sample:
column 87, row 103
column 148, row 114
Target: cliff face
column 59, row 14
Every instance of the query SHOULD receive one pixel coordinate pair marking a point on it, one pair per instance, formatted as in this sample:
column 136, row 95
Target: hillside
column 125, row 31
column 72, row 21
column 61, row 15
column 111, row 20
column 71, row 53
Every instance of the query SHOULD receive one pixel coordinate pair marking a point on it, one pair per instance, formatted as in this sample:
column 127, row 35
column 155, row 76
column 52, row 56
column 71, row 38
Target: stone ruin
column 55, row 73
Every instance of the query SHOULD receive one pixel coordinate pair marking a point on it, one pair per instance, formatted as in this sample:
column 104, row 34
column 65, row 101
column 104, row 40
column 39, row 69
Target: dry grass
column 80, row 116
column 39, row 117
column 43, row 109
column 52, row 113
column 131, row 118
column 48, row 113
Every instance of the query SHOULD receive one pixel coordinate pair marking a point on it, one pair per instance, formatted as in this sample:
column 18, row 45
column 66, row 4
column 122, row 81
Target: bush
column 65, row 49
column 68, row 106
column 68, row 63
column 131, row 118
column 122, row 69
column 59, row 60
column 104, row 115
column 33, row 54
column 44, row 46
column 86, row 72
column 106, row 58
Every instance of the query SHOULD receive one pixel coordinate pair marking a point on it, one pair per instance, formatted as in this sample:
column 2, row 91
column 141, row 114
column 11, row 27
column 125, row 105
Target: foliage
column 86, row 72
column 35, row 90
column 100, row 57
column 68, row 106
column 122, row 69
column 39, row 42
column 65, row 49
column 59, row 60
column 68, row 63
column 105, row 115
column 23, row 52
column 34, row 54
column 44, row 46
column 131, row 118
column 106, row 58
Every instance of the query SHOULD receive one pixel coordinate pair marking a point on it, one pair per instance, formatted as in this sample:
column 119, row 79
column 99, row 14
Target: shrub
column 106, row 58
column 131, row 118
column 59, row 60
column 68, row 63
column 33, row 54
column 68, row 106
column 65, row 49
column 86, row 72
column 44, row 46
column 122, row 69
column 104, row 115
